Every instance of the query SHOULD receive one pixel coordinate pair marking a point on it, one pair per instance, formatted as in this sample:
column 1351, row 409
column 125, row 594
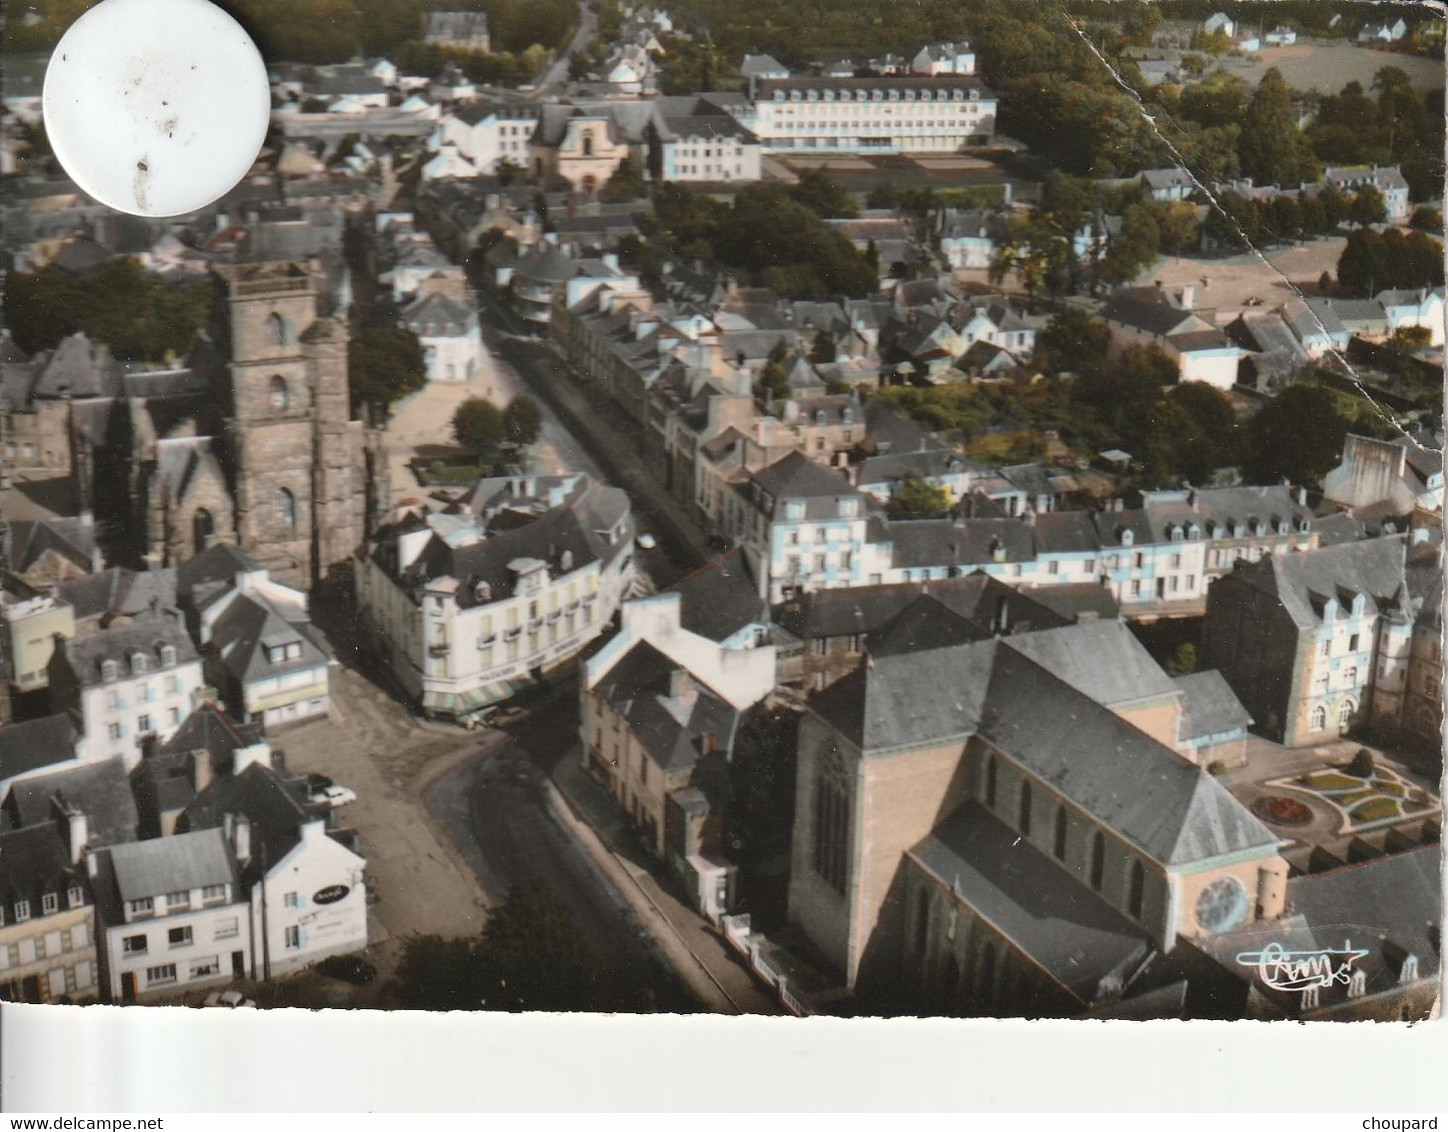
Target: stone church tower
column 298, row 463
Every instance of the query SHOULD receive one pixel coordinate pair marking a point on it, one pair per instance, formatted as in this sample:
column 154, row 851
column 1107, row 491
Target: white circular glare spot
column 156, row 107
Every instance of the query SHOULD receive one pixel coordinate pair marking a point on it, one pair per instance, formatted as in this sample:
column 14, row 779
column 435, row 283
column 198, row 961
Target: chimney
column 200, row 770
column 682, row 688
column 241, row 838
column 77, row 833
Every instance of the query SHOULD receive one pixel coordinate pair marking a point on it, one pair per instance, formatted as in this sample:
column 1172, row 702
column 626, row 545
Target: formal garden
column 1363, row 793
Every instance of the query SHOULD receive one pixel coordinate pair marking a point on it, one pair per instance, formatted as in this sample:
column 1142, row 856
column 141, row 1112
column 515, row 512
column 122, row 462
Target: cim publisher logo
column 331, row 894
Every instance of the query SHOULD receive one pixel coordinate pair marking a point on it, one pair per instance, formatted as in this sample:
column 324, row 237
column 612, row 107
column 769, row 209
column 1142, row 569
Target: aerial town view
column 750, row 508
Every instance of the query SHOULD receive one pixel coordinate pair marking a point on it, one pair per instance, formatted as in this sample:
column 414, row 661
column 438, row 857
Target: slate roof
column 276, row 806
column 35, row 861
column 1158, row 318
column 1210, row 707
column 946, row 542
column 924, row 625
column 73, row 539
column 77, row 367
column 674, row 733
column 1073, row 601
column 1063, row 927
column 1101, row 659
column 796, row 476
column 1393, row 901
column 86, row 654
column 1167, row 178
column 250, row 622
column 169, row 864
column 36, row 743
column 119, row 591
column 100, row 790
column 1141, row 790
column 720, row 598
column 1302, row 582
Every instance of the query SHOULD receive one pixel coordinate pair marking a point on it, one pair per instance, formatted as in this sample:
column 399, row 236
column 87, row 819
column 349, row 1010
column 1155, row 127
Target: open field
column 1231, row 282
column 1327, row 65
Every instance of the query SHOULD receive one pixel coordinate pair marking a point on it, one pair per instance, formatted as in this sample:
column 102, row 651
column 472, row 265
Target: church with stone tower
column 272, row 460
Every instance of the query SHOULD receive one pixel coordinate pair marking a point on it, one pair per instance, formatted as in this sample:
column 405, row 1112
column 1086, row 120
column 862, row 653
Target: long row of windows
column 1136, row 882
column 21, row 909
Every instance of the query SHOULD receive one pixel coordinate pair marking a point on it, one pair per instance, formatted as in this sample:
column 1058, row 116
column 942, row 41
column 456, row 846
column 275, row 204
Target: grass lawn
column 1375, row 809
column 1331, row 780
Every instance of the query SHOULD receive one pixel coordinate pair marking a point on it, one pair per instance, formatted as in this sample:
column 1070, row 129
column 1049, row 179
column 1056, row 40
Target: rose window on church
column 1223, row 905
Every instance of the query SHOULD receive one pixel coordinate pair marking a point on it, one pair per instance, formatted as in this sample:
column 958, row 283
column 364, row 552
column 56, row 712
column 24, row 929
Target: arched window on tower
column 287, row 510
column 276, row 393
column 279, row 330
column 203, row 530
column 587, row 143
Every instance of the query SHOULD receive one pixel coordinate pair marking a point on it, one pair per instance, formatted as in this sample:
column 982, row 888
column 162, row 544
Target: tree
column 822, row 350
column 823, row 195
column 1073, row 341
column 1199, row 426
column 1183, row 660
column 916, row 499
column 579, row 65
column 1297, row 436
column 627, row 183
column 522, row 420
column 1134, row 249
column 478, row 426
column 1367, row 207
column 1271, row 147
column 384, row 363
column 529, row 957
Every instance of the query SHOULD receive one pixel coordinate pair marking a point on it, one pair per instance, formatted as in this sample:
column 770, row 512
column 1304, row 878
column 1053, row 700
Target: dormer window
column 1128, row 536
column 1259, row 527
column 1409, row 971
column 975, row 96
column 925, row 96
column 139, row 663
column 168, row 656
column 1357, row 985
column 1194, row 533
column 1175, row 532
column 109, row 671
column 1359, row 605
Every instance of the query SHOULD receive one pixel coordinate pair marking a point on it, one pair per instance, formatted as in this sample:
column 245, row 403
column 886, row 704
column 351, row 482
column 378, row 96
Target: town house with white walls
column 658, row 700
column 304, row 883
column 170, row 915
column 487, row 134
column 890, row 114
column 1152, row 316
column 128, row 684
column 502, row 587
column 452, row 340
column 260, row 649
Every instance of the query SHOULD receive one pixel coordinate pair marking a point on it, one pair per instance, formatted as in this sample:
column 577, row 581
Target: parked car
column 335, row 796
column 231, row 999
column 349, row 968
column 647, row 542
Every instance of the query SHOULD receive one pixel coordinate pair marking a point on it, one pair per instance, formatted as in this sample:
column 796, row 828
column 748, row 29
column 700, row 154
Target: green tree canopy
column 823, row 195
column 1297, row 436
column 522, row 420
column 1271, row 147
column 138, row 316
column 478, row 426
column 1073, row 341
column 916, row 499
column 529, row 957
column 384, row 363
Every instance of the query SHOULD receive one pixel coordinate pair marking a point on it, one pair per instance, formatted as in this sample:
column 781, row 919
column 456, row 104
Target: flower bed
column 1282, row 810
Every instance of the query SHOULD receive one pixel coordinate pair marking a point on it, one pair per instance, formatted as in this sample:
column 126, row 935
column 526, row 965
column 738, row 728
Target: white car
column 335, row 796
column 647, row 542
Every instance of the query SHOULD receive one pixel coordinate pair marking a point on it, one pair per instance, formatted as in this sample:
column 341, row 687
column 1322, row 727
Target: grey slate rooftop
column 36, row 743
column 1063, row 927
column 170, row 864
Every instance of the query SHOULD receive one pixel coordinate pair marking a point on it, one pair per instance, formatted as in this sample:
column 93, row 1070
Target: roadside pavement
column 697, row 952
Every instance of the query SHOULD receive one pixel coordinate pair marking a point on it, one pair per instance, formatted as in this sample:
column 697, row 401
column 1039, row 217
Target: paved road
column 496, row 809
column 558, row 72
